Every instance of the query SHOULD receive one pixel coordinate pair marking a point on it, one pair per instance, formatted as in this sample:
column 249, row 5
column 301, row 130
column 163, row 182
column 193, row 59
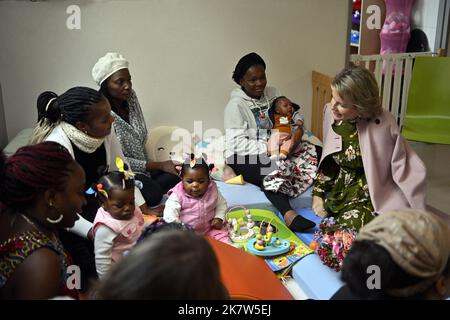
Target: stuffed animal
column 168, row 143
column 173, row 143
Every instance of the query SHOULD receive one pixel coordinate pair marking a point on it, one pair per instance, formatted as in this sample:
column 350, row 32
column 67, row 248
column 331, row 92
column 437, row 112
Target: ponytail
column 49, row 115
column 72, row 106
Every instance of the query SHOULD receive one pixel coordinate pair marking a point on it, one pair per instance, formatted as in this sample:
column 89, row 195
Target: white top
column 103, row 244
column 113, row 150
column 173, row 208
column 241, row 129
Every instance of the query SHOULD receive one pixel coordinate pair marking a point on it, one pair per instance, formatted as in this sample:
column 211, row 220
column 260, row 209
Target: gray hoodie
column 241, row 122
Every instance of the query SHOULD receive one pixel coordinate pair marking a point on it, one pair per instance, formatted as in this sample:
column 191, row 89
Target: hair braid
column 31, row 170
column 72, row 106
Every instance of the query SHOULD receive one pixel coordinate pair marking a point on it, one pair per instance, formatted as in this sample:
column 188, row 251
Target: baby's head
column 283, row 106
column 115, row 190
column 195, row 176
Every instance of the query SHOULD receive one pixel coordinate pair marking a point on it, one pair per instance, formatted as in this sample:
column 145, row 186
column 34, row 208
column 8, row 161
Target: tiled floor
column 437, row 160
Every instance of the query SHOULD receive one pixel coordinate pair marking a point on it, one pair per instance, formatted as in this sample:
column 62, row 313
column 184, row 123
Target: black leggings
column 155, row 187
column 254, row 168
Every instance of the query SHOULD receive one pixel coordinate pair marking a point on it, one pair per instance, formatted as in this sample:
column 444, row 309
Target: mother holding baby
column 246, row 144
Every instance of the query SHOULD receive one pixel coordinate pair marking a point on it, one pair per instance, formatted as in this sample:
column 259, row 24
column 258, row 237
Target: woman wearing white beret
column 111, row 73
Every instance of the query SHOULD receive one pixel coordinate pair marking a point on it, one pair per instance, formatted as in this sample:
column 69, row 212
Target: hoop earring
column 58, row 220
column 61, row 216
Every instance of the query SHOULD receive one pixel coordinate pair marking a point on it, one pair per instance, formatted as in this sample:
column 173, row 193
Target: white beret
column 107, row 65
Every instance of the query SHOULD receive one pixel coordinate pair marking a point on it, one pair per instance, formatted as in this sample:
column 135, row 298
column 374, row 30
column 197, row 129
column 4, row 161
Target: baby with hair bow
column 119, row 222
column 197, row 202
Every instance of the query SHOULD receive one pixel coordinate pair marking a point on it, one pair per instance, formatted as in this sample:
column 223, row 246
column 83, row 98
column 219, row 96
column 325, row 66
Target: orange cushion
column 247, row 276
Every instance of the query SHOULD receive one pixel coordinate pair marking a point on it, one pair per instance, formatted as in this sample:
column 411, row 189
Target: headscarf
column 107, row 65
column 418, row 242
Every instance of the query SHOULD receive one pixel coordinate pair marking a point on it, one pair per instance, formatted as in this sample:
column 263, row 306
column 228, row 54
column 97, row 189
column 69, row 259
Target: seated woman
column 80, row 120
column 111, row 73
column 246, row 150
column 367, row 167
column 401, row 254
column 41, row 192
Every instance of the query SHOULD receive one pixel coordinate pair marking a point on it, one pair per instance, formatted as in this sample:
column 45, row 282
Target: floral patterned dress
column 15, row 250
column 341, row 181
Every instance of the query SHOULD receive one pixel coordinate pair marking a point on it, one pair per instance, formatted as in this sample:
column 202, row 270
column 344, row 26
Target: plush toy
column 168, row 143
column 173, row 143
column 214, row 149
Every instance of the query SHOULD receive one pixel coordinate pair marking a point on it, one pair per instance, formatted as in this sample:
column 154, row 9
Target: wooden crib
column 393, row 73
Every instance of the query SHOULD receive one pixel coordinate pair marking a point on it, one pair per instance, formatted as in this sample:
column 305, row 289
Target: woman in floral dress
column 366, row 168
column 343, row 176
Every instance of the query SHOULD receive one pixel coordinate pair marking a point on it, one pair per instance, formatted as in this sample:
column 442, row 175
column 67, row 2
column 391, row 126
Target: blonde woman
column 366, row 167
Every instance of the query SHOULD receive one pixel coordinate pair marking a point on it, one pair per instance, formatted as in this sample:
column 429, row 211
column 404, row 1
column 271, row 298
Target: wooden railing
column 393, row 74
column 321, row 96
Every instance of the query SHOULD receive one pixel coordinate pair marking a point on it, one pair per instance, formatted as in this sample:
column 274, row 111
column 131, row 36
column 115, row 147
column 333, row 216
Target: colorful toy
column 236, row 180
column 239, row 229
column 267, row 245
column 259, row 215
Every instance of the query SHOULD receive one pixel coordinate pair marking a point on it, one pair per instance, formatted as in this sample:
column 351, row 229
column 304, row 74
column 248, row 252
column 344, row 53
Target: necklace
column 31, row 223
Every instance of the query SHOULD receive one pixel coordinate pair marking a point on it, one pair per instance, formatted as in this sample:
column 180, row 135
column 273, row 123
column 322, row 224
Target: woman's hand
column 165, row 166
column 318, row 206
column 217, row 223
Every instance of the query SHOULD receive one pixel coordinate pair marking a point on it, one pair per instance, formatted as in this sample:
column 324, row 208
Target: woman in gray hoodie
column 246, row 144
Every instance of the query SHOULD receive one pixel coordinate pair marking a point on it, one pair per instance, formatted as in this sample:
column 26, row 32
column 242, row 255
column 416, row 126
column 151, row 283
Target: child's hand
column 262, row 115
column 299, row 123
column 217, row 223
column 317, row 206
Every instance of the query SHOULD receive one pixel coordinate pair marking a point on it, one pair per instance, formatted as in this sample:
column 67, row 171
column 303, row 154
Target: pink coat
column 128, row 231
column 395, row 174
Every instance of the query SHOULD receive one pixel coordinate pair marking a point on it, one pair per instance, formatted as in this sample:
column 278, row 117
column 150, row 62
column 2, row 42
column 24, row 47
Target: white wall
column 425, row 17
column 181, row 52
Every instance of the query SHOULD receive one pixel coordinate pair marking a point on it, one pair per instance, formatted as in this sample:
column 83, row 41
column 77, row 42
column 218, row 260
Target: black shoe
column 300, row 224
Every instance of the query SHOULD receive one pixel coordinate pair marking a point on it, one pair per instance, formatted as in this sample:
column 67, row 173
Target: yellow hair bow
column 123, row 167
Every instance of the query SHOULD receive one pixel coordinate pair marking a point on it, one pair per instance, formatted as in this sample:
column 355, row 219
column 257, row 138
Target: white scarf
column 81, row 140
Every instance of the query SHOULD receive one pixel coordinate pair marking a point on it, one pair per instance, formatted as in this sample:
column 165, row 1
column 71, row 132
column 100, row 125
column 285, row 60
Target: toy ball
column 260, row 242
column 314, row 245
column 278, row 242
column 269, row 229
column 259, row 236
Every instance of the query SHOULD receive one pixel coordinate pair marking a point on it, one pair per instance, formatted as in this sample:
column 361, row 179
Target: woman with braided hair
column 80, row 119
column 41, row 191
